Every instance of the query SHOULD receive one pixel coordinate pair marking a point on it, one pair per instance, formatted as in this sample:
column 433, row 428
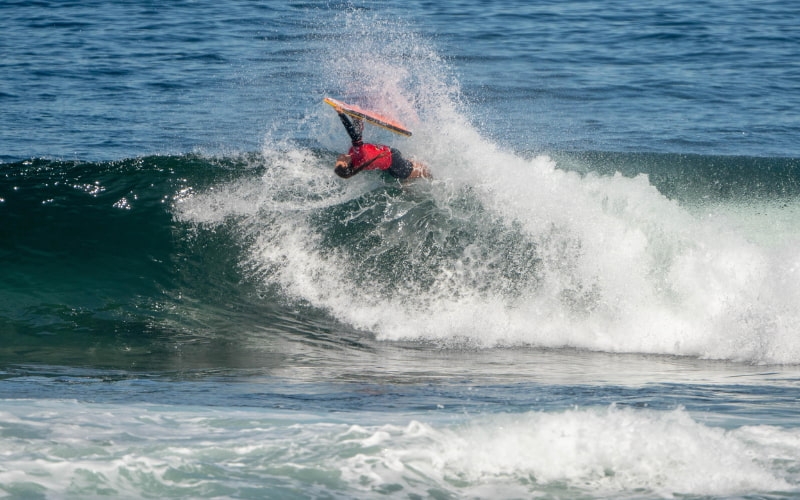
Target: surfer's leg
column 400, row 168
column 407, row 169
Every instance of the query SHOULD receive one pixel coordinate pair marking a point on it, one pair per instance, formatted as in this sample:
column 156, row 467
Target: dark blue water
column 595, row 297
column 98, row 80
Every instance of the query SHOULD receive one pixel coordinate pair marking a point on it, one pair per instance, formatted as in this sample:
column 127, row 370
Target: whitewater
column 599, row 262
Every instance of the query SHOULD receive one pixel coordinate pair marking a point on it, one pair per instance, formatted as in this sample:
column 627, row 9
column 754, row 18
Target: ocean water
column 597, row 296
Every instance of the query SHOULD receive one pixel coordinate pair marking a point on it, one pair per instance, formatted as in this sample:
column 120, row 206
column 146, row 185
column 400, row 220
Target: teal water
column 595, row 297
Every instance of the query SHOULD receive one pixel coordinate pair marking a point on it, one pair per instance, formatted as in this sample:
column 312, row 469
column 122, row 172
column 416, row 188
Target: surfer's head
column 344, row 161
column 344, row 166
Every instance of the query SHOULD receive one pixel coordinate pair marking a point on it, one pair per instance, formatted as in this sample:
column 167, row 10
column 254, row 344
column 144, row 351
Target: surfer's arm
column 353, row 129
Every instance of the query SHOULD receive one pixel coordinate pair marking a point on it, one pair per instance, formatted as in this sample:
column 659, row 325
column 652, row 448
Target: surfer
column 374, row 156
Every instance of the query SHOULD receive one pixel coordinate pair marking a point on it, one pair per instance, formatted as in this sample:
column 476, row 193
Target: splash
column 499, row 249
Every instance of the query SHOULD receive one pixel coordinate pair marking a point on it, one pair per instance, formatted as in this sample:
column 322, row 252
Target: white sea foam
column 606, row 452
column 621, row 268
column 67, row 448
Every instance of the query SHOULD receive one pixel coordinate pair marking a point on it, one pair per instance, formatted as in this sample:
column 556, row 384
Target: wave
column 615, row 252
column 540, row 256
column 96, row 270
column 504, row 248
column 535, row 256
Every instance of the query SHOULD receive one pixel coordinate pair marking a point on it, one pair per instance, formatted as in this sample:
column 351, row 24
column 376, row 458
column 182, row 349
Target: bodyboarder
column 366, row 156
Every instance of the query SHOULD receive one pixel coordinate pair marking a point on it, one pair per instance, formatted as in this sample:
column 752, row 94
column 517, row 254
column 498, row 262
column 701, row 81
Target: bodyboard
column 369, row 116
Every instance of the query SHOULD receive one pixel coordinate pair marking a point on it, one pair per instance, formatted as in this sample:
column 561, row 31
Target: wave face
column 504, row 248
column 147, row 252
column 676, row 254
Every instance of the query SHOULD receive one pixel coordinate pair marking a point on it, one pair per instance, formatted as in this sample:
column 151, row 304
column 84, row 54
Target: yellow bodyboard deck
column 369, row 117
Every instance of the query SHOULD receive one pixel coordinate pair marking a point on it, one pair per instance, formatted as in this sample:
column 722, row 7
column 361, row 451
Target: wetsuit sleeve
column 353, row 130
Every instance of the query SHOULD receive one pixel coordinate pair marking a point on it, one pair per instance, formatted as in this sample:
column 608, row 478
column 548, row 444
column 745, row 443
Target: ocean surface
column 597, row 296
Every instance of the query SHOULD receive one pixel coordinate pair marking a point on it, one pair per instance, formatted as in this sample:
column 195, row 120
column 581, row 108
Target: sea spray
column 499, row 249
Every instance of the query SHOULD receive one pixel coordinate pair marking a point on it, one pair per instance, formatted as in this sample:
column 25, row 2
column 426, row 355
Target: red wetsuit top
column 379, row 155
column 365, row 156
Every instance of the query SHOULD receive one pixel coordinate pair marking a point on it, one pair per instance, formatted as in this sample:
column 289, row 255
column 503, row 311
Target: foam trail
column 58, row 448
column 499, row 249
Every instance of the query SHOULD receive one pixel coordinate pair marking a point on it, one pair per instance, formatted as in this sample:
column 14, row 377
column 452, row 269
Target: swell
column 179, row 262
column 96, row 270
